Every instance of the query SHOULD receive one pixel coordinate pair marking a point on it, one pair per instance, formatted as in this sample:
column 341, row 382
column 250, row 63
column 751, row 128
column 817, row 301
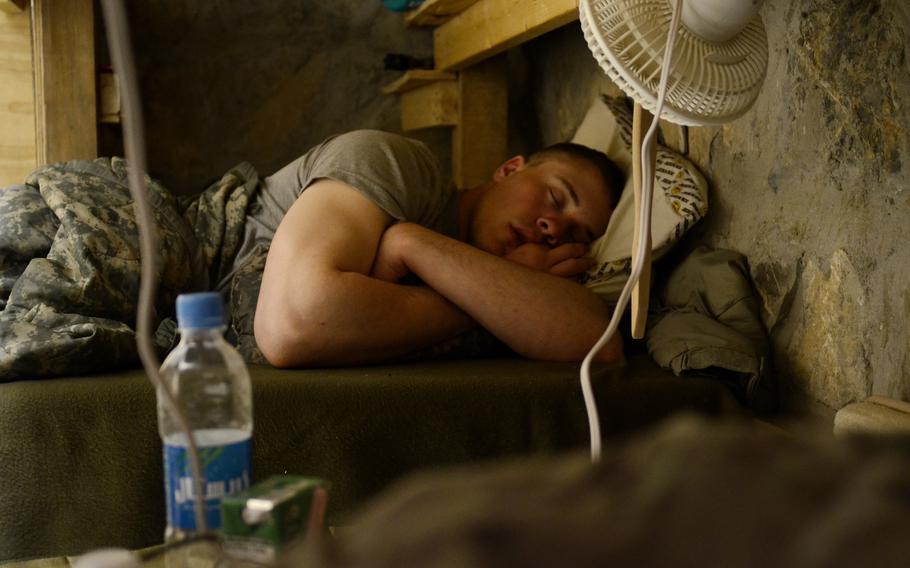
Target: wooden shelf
column 436, row 12
column 416, row 78
column 490, row 27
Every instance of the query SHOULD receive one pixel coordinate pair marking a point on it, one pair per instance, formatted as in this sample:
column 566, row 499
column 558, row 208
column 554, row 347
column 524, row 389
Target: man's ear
column 509, row 167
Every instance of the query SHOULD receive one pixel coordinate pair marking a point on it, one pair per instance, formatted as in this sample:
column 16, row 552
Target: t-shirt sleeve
column 399, row 174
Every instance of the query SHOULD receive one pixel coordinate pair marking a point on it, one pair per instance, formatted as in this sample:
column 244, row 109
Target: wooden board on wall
column 17, row 104
column 432, row 105
column 493, row 26
column 436, row 12
column 479, row 138
column 65, row 106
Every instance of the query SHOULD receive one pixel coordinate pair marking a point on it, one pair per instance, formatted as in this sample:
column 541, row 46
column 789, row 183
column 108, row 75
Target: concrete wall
column 810, row 185
column 226, row 81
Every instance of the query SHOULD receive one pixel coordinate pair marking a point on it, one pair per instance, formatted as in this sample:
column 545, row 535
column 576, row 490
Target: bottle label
column 226, row 470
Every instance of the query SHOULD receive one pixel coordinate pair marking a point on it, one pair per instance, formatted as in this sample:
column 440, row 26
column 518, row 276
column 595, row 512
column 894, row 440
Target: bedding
column 680, row 197
column 69, row 263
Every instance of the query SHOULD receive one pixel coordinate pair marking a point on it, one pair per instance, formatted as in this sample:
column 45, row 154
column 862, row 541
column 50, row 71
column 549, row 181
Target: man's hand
column 566, row 260
column 388, row 265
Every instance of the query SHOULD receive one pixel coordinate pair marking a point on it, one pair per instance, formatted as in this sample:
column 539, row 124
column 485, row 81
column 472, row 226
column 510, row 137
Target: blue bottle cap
column 401, row 5
column 199, row 310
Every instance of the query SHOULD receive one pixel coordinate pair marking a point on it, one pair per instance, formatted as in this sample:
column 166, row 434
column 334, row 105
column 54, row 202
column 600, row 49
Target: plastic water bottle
column 212, row 387
column 402, row 5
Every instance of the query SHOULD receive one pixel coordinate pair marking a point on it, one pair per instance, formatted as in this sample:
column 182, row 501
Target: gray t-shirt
column 398, row 174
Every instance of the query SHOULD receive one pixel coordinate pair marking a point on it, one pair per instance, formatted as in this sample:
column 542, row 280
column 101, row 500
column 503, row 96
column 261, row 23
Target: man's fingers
column 572, row 267
column 566, row 251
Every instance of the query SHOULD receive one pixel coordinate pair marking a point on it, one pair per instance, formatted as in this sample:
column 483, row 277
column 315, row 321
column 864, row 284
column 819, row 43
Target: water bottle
column 402, row 5
column 212, row 387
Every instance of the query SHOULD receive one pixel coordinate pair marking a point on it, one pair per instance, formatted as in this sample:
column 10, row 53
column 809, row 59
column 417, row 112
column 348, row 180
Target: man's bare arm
column 538, row 315
column 317, row 304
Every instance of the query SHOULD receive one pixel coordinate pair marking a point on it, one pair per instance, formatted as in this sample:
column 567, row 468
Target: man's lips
column 515, row 237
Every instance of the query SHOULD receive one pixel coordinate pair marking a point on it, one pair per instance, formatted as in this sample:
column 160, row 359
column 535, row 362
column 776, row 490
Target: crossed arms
column 330, row 293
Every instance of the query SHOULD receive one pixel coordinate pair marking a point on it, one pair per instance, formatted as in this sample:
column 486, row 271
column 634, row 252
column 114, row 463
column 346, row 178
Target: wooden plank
column 493, row 26
column 64, row 50
column 17, row 103
column 13, row 6
column 416, row 78
column 641, row 121
column 108, row 98
column 479, row 138
column 435, row 104
column 436, row 12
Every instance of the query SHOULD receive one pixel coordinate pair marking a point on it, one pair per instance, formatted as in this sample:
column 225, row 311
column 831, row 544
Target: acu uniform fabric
column 69, row 264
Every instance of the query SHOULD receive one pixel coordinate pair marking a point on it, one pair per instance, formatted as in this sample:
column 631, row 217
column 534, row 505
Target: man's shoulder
column 378, row 140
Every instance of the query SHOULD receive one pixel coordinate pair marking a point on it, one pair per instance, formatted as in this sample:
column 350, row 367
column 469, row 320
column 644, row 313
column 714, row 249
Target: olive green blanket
column 80, row 457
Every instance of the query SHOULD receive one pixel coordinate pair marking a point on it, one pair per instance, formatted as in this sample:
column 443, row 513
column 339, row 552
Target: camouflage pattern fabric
column 69, row 263
column 243, row 295
column 217, row 217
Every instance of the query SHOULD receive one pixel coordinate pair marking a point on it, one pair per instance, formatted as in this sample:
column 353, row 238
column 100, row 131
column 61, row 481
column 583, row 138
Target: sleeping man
column 373, row 257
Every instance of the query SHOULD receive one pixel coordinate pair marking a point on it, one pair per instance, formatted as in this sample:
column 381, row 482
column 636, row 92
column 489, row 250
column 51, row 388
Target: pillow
column 679, row 201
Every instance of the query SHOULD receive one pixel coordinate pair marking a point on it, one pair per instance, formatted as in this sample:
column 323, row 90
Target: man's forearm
column 361, row 319
column 538, row 315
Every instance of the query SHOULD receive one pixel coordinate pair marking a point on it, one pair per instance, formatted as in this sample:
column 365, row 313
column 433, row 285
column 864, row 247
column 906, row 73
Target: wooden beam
column 435, row 104
column 416, row 78
column 479, row 138
column 493, row 26
column 436, row 12
column 108, row 98
column 641, row 121
column 13, row 6
column 17, row 102
column 64, row 50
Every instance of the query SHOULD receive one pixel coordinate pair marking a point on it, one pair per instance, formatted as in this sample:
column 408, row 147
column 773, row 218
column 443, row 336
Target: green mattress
column 80, row 457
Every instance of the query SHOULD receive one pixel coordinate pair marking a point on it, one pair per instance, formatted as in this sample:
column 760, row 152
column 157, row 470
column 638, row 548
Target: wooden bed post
column 479, row 138
column 63, row 41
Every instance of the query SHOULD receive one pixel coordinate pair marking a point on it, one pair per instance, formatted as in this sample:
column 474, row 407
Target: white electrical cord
column 644, row 229
column 133, row 140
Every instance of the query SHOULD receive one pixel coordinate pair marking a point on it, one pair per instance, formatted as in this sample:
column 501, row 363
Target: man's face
column 557, row 200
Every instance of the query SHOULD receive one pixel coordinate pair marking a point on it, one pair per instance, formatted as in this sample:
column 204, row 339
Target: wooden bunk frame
column 47, row 84
column 467, row 90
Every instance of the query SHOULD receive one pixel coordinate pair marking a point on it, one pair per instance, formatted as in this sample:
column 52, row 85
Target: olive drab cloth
column 70, row 268
column 708, row 323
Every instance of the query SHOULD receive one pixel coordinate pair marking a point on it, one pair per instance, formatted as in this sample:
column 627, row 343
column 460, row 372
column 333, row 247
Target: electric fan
column 720, row 61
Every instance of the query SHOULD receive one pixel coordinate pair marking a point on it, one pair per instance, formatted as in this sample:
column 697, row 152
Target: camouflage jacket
column 69, row 263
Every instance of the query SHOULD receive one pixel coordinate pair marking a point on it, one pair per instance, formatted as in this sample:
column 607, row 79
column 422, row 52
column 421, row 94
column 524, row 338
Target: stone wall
column 810, row 185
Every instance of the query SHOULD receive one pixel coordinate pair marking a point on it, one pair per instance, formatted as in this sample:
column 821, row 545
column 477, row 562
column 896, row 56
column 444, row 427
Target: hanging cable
column 644, row 229
column 134, row 145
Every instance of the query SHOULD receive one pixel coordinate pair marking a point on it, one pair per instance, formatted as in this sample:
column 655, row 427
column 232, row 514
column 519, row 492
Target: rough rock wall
column 227, row 81
column 810, row 185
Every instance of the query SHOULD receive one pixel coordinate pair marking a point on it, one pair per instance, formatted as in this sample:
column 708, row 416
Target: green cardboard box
column 260, row 522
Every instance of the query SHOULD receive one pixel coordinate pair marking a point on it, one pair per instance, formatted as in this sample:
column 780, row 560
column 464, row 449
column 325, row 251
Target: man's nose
column 553, row 230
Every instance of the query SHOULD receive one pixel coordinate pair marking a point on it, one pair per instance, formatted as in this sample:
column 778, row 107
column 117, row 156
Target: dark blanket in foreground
column 690, row 493
column 69, row 263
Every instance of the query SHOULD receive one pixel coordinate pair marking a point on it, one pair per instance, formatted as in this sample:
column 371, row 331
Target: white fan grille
column 709, row 83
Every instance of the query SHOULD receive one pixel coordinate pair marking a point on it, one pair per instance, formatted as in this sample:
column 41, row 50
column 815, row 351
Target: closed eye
column 554, row 199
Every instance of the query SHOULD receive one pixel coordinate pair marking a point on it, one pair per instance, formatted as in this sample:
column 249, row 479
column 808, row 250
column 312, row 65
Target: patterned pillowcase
column 680, row 197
